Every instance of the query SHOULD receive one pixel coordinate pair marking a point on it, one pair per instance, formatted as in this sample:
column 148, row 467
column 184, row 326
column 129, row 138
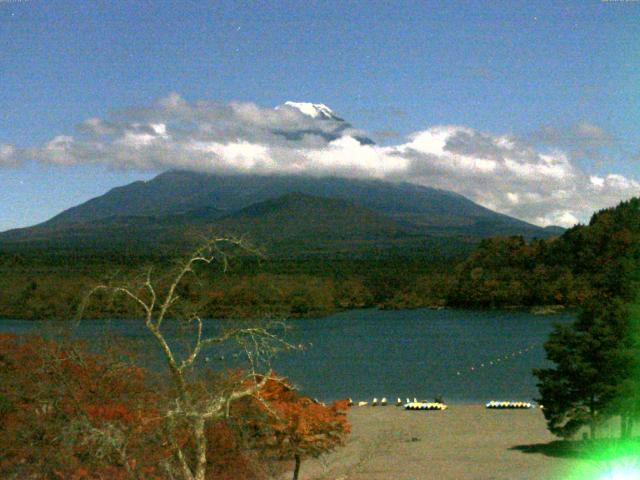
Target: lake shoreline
column 537, row 310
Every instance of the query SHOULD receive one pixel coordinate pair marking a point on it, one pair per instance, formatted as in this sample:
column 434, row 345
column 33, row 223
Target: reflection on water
column 371, row 353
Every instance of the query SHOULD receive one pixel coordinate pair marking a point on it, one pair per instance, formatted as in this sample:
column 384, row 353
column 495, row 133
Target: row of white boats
column 499, row 405
column 374, row 403
column 425, row 405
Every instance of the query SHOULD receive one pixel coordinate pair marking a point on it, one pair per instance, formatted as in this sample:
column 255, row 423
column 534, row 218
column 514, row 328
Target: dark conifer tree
column 592, row 362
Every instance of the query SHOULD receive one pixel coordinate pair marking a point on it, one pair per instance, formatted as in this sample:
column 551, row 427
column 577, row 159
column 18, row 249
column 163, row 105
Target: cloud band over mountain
column 501, row 172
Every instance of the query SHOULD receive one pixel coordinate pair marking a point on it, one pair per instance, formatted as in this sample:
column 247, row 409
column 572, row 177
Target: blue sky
column 553, row 74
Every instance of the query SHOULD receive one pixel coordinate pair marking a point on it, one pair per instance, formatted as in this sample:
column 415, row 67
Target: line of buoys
column 496, row 360
column 510, row 405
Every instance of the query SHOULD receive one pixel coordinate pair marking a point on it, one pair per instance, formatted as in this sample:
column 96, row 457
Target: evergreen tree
column 597, row 358
column 593, row 368
column 627, row 401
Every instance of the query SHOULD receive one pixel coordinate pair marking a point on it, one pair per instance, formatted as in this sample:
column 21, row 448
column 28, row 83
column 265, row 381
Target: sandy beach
column 462, row 442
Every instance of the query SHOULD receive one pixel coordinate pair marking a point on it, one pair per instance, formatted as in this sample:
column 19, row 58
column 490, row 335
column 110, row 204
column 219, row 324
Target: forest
column 567, row 270
column 500, row 272
column 40, row 287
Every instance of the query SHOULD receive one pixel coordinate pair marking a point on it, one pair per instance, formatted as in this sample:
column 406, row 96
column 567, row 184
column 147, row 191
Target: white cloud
column 347, row 157
column 513, row 197
column 580, row 137
column 8, row 155
column 501, row 172
column 592, row 133
column 558, row 217
column 596, row 181
column 236, row 156
column 430, row 142
column 59, row 150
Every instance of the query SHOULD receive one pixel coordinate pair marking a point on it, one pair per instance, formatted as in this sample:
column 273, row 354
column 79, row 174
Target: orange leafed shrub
column 294, row 426
column 68, row 414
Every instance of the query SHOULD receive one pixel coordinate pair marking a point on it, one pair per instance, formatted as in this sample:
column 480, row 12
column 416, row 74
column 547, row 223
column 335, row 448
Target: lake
column 463, row 355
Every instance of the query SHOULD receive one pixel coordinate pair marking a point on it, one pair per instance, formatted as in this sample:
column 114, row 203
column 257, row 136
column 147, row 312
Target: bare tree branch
column 191, row 408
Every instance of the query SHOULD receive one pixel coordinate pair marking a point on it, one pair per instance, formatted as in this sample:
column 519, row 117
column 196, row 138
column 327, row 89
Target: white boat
column 425, row 406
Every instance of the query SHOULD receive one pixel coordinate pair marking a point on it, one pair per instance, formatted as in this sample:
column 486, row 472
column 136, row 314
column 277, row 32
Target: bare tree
column 192, row 407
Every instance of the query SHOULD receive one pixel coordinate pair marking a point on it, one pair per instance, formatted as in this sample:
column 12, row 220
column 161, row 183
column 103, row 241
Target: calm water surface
column 407, row 353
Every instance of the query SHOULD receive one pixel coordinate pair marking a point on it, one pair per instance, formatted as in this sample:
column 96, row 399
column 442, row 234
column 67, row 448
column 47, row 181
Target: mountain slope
column 297, row 215
column 295, row 223
column 286, row 214
column 178, row 192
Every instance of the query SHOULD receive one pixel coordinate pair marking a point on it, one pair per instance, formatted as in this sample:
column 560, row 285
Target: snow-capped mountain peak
column 314, row 110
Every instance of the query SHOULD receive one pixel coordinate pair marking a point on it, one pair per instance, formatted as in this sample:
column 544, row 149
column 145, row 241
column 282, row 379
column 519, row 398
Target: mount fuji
column 297, row 215
column 319, row 111
column 313, row 110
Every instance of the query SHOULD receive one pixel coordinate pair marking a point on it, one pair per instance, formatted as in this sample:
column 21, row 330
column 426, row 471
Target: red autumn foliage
column 66, row 414
column 228, row 458
column 294, row 426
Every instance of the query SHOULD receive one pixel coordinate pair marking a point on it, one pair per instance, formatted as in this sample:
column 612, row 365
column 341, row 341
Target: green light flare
column 623, row 472
column 616, row 459
column 609, row 460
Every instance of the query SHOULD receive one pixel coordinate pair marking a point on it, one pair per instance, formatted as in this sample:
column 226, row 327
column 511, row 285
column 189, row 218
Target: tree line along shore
column 500, row 272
